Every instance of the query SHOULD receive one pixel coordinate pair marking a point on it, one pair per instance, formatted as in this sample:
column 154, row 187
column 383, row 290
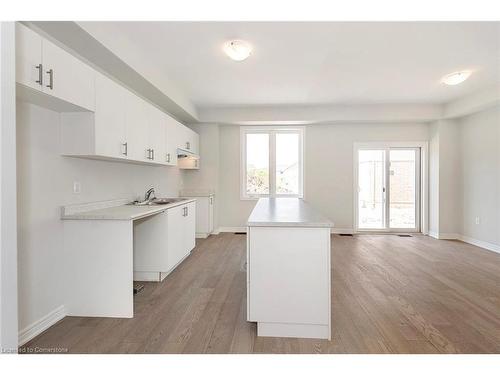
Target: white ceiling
column 312, row 63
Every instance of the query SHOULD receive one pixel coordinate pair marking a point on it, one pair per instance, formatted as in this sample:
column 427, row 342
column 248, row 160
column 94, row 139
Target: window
column 271, row 162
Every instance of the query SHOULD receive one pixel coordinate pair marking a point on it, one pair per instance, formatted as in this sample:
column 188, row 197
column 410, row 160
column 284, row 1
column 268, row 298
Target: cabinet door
column 211, row 214
column 110, row 136
column 66, row 77
column 183, row 137
column 190, row 227
column 29, row 71
column 136, row 127
column 171, row 140
column 193, row 139
column 156, row 134
column 175, row 236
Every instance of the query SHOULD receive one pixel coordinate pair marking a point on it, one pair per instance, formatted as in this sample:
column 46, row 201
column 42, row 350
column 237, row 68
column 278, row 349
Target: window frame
column 272, row 131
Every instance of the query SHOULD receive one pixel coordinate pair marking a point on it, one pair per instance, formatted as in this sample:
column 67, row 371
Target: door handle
column 40, row 74
column 50, row 72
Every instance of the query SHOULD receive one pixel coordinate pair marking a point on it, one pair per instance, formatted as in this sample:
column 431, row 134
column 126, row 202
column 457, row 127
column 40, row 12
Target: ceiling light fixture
column 238, row 50
column 456, row 78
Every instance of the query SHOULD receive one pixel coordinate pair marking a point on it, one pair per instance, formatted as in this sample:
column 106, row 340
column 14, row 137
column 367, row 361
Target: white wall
column 45, row 183
column 480, row 170
column 445, row 202
column 233, row 212
column 434, row 179
column 8, row 236
column 328, row 167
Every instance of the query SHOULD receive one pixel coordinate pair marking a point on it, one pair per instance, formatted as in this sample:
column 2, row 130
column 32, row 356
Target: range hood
column 183, row 153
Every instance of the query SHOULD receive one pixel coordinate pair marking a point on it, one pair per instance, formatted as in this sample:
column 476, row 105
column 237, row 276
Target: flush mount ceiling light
column 238, row 50
column 456, row 78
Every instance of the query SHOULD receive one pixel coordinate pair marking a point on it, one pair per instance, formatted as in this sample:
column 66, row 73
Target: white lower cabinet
column 204, row 215
column 162, row 241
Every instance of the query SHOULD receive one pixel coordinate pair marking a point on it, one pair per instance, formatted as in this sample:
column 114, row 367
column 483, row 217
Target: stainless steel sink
column 166, row 200
column 157, row 201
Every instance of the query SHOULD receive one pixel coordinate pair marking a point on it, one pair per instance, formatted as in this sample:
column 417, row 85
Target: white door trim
column 424, row 180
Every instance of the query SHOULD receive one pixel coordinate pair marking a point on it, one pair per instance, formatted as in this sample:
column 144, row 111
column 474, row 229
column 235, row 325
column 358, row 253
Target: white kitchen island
column 288, row 269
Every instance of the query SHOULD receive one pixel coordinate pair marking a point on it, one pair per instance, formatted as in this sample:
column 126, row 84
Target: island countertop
column 286, row 212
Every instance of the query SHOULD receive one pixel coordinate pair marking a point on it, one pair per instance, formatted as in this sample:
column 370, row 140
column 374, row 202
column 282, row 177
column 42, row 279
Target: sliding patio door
column 388, row 189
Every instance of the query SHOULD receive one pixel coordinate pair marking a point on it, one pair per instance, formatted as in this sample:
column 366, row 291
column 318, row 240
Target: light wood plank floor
column 390, row 295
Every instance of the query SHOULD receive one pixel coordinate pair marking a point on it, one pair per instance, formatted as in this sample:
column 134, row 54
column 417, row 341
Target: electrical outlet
column 478, row 220
column 76, row 187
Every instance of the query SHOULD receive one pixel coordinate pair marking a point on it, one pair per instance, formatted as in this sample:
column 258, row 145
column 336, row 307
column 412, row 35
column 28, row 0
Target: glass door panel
column 403, row 188
column 371, row 189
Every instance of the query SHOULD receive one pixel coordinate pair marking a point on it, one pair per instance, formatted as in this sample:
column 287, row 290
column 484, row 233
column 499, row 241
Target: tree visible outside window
column 271, row 162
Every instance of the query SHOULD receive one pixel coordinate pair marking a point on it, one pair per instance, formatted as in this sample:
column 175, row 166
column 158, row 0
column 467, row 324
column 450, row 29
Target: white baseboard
column 433, row 235
column 232, row 229
column 244, row 229
column 201, row 235
column 342, row 230
column 34, row 329
column 457, row 236
column 485, row 245
column 449, row 236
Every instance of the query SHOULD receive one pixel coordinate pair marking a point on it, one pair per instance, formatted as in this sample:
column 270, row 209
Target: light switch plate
column 76, row 187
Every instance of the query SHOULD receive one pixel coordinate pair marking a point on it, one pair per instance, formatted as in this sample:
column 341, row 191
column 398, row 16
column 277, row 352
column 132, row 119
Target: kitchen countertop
column 119, row 211
column 286, row 212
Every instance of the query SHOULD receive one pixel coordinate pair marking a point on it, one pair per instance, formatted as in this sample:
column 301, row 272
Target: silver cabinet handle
column 188, row 145
column 126, row 148
column 187, row 210
column 168, row 158
column 50, row 72
column 152, row 154
column 149, row 154
column 40, row 74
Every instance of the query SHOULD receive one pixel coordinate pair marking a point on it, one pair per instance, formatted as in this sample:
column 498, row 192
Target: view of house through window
column 271, row 162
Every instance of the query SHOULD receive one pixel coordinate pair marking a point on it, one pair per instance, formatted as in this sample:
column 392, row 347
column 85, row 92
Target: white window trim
column 272, row 160
column 424, row 180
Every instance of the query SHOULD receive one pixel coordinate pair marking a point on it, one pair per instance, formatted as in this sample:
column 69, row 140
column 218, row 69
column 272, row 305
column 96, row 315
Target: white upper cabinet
column 189, row 140
column 99, row 118
column 172, row 137
column 66, row 77
column 110, row 131
column 156, row 134
column 29, row 68
column 136, row 127
column 45, row 67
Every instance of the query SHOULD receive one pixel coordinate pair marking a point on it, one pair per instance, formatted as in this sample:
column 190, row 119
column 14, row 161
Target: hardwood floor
column 390, row 295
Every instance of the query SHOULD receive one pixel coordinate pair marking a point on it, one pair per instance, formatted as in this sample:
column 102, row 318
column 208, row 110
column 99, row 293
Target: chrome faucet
column 150, row 195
